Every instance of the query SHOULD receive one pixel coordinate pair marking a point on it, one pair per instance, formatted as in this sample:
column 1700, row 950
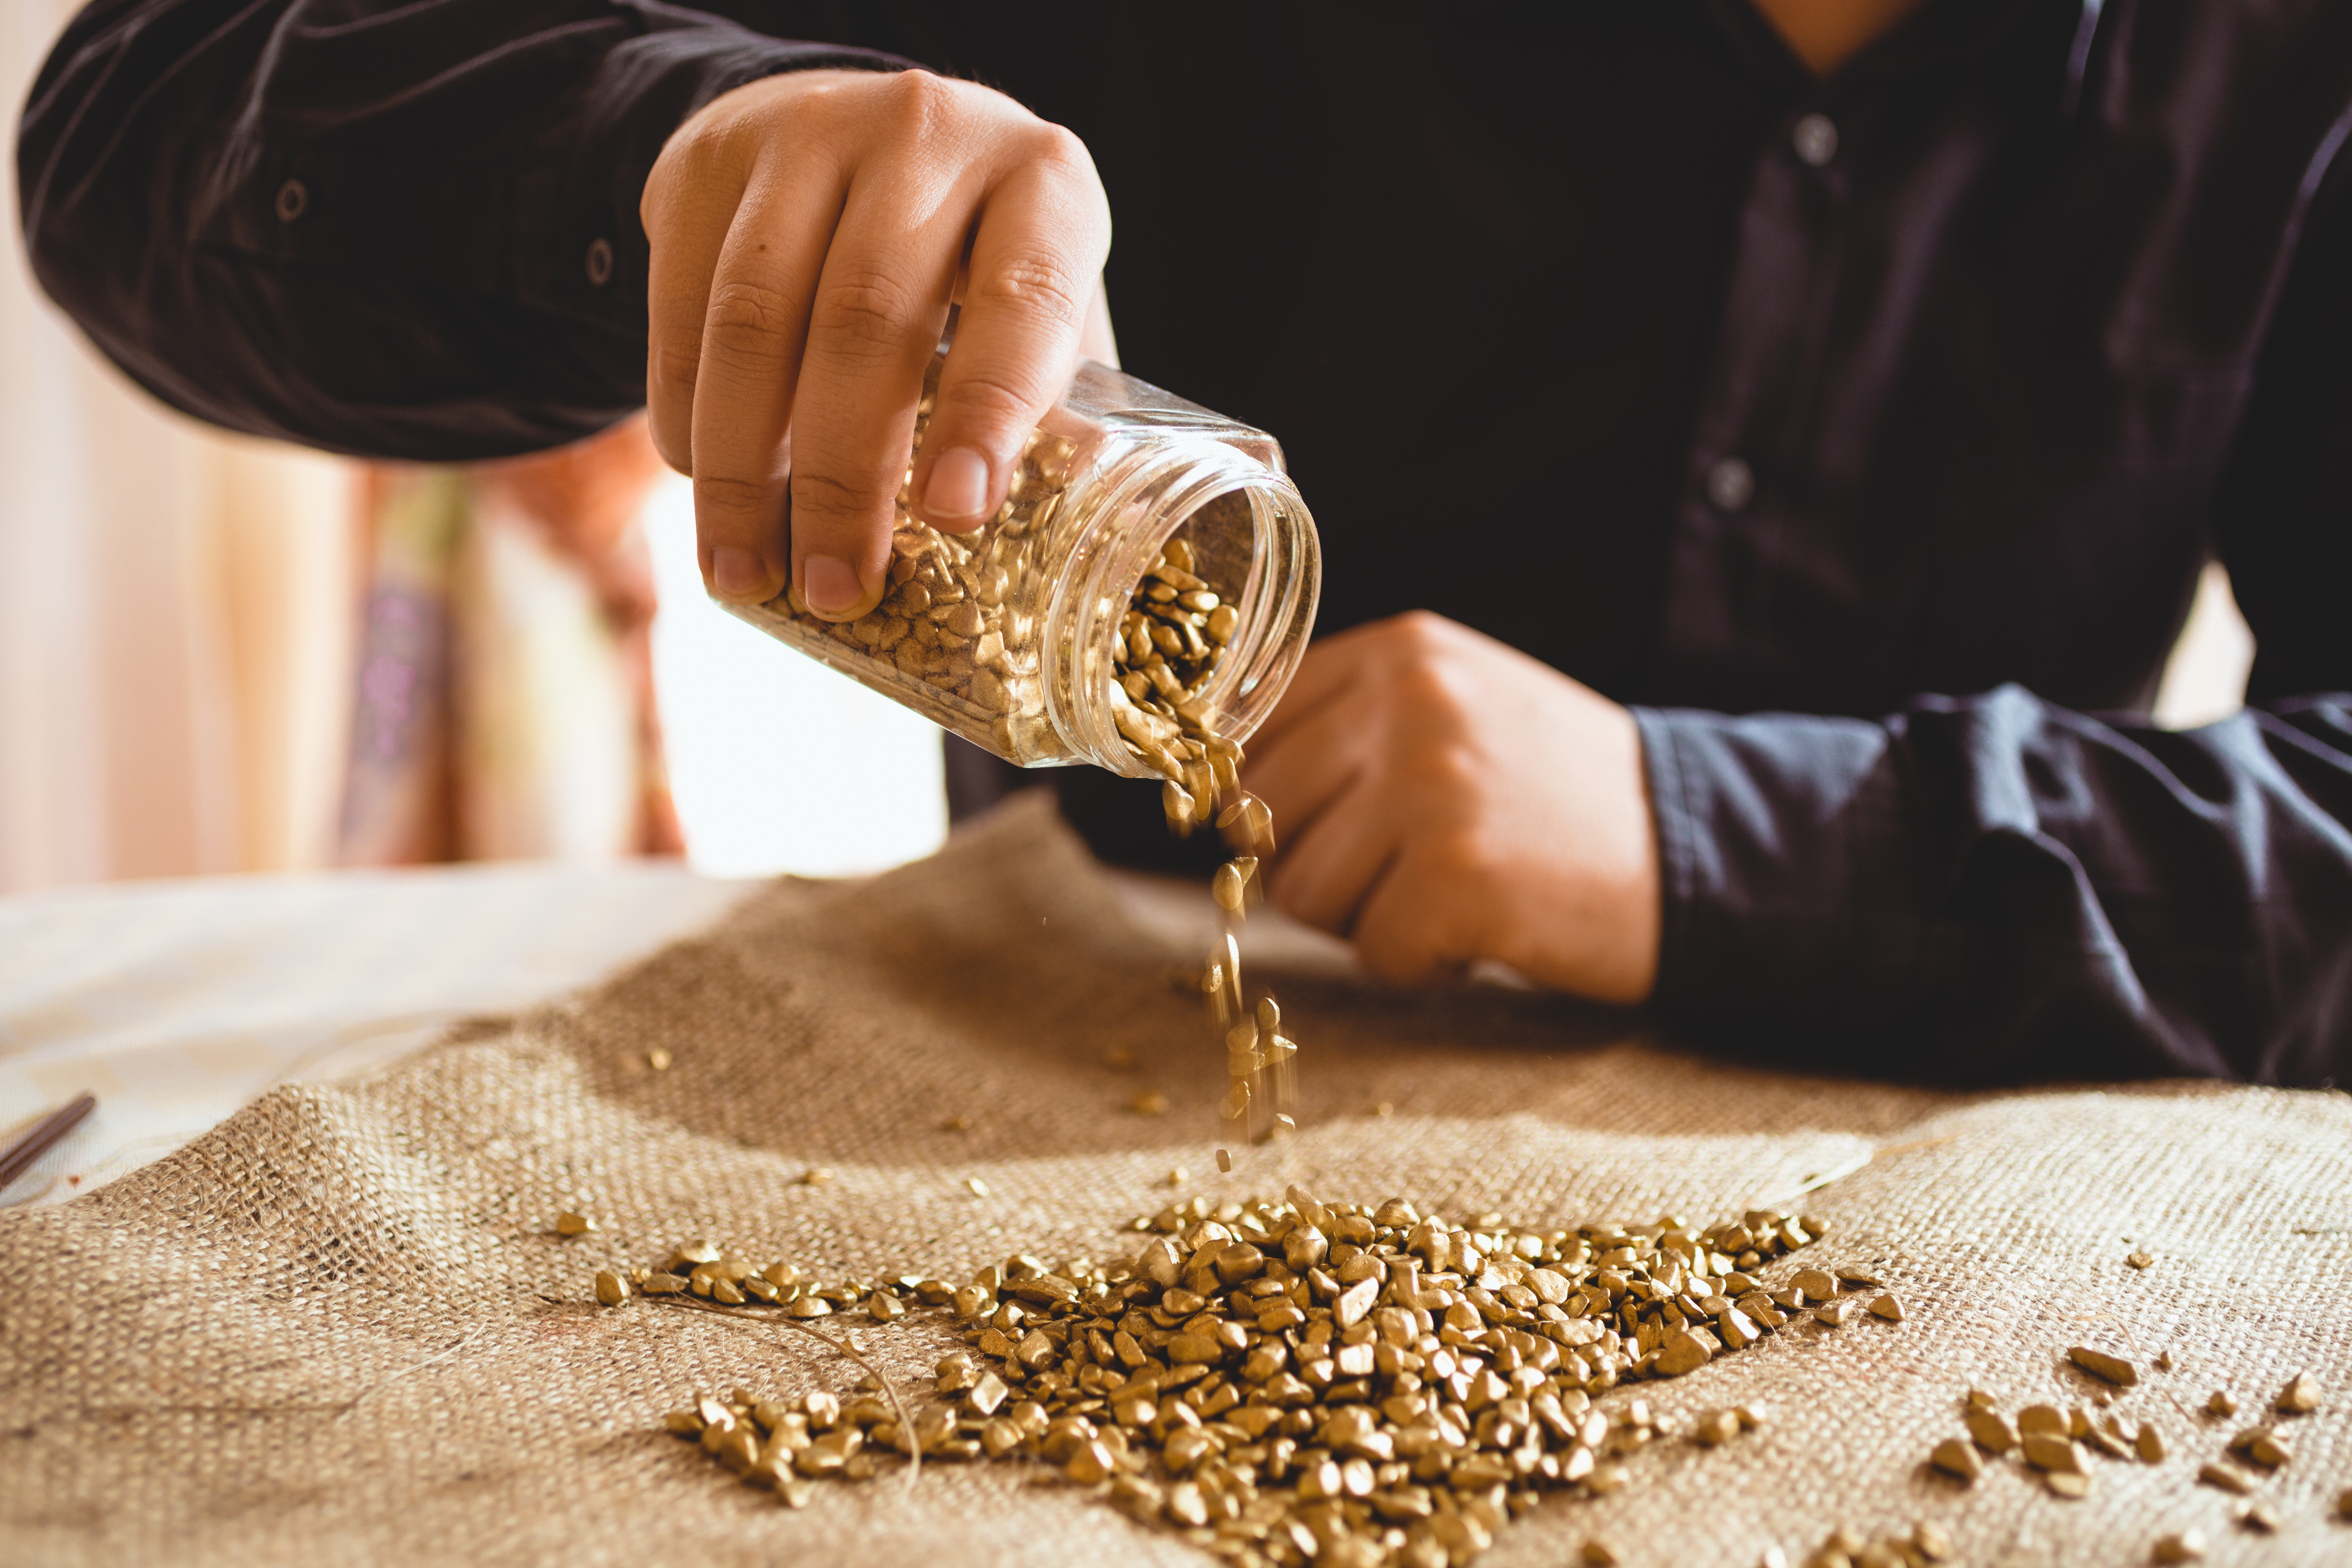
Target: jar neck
column 1254, row 541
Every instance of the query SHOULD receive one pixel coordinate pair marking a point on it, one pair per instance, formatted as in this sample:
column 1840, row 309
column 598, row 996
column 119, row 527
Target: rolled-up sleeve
column 402, row 230
column 1995, row 888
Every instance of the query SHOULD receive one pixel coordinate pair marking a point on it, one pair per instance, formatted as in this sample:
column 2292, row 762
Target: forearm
column 1993, row 887
column 410, row 235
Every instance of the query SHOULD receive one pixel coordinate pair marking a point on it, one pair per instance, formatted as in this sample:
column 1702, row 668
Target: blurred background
column 218, row 655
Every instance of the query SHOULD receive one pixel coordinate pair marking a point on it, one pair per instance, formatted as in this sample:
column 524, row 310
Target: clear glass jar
column 1010, row 635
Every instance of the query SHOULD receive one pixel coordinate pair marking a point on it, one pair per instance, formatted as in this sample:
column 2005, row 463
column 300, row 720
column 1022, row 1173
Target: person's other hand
column 1440, row 798
column 809, row 232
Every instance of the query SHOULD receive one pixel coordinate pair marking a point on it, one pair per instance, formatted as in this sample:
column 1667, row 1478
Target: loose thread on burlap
column 1815, row 1182
column 739, row 1318
column 335, row 1411
column 434, row 1359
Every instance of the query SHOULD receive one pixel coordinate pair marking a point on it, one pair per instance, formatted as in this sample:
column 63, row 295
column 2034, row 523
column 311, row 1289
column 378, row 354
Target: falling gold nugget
column 1231, row 886
column 1225, row 1162
column 1248, row 825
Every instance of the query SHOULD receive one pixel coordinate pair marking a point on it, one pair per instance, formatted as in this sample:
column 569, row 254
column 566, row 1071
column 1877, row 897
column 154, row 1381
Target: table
column 177, row 1001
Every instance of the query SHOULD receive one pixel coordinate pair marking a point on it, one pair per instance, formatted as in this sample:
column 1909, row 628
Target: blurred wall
column 173, row 609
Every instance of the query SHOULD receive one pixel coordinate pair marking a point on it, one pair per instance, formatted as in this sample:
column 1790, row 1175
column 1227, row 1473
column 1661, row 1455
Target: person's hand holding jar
column 809, row 233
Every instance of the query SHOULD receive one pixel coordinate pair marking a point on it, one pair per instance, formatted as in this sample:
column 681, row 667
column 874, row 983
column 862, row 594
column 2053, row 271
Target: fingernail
column 739, row 573
column 957, row 487
column 830, row 585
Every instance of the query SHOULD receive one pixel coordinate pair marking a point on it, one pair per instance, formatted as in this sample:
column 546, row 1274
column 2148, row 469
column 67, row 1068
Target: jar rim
column 1146, row 508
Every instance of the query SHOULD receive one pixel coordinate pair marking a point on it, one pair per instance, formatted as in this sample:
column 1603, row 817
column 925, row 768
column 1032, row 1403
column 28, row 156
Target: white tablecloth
column 177, row 1002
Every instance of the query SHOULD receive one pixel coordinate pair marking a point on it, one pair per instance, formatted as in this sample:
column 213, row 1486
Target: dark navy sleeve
column 1991, row 887
column 395, row 229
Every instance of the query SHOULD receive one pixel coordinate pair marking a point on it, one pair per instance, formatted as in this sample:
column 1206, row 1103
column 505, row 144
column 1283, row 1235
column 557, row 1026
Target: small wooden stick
column 43, row 1136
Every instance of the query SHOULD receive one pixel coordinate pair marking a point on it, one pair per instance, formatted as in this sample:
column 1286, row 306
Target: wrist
column 1600, row 937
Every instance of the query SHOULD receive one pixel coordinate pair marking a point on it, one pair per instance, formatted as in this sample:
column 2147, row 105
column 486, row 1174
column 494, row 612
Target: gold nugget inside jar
column 1021, row 635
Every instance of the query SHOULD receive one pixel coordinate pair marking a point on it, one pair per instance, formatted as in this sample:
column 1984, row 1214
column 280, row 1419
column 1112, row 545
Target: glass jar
column 1012, row 636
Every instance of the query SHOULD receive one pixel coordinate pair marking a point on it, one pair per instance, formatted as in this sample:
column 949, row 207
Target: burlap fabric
column 339, row 1327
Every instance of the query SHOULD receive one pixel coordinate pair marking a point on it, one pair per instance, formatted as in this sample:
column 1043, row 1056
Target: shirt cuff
column 1790, row 902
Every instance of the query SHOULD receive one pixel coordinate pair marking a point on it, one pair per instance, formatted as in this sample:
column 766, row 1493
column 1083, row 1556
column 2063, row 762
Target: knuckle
column 1036, row 281
column 1463, row 857
column 731, row 497
column 990, row 399
column 1423, row 683
column 698, row 167
column 920, row 102
column 1420, row 631
column 823, row 495
column 1059, row 149
column 1444, row 777
column 864, row 310
column 746, row 325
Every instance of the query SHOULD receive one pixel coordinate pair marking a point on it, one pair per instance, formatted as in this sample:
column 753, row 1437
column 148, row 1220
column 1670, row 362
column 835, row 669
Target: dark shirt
column 1868, row 433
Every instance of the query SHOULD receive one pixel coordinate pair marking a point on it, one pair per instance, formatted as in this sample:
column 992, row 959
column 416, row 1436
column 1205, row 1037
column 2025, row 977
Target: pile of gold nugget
column 1296, row 1381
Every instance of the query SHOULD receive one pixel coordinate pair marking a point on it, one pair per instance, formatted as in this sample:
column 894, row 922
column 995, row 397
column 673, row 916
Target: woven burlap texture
column 339, row 1327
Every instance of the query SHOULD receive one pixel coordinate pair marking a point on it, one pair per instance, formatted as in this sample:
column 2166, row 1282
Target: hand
column 1440, row 798
column 809, row 232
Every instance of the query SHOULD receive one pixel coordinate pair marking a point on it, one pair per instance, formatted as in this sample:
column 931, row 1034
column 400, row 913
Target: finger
column 880, row 306
column 686, row 216
column 1325, row 872
column 1306, row 769
column 1405, row 932
column 1035, row 257
column 1325, row 674
column 755, row 324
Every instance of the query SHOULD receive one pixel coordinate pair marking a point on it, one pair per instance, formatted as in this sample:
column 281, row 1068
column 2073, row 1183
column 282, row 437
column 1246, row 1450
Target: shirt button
column 1815, row 137
column 1730, row 484
column 293, row 201
column 600, row 262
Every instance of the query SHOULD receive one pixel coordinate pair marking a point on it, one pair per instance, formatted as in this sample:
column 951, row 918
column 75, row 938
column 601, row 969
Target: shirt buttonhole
column 293, row 201
column 600, row 262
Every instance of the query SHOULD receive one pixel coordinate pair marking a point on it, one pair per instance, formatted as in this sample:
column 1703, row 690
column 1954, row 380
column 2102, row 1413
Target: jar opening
column 1247, row 533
